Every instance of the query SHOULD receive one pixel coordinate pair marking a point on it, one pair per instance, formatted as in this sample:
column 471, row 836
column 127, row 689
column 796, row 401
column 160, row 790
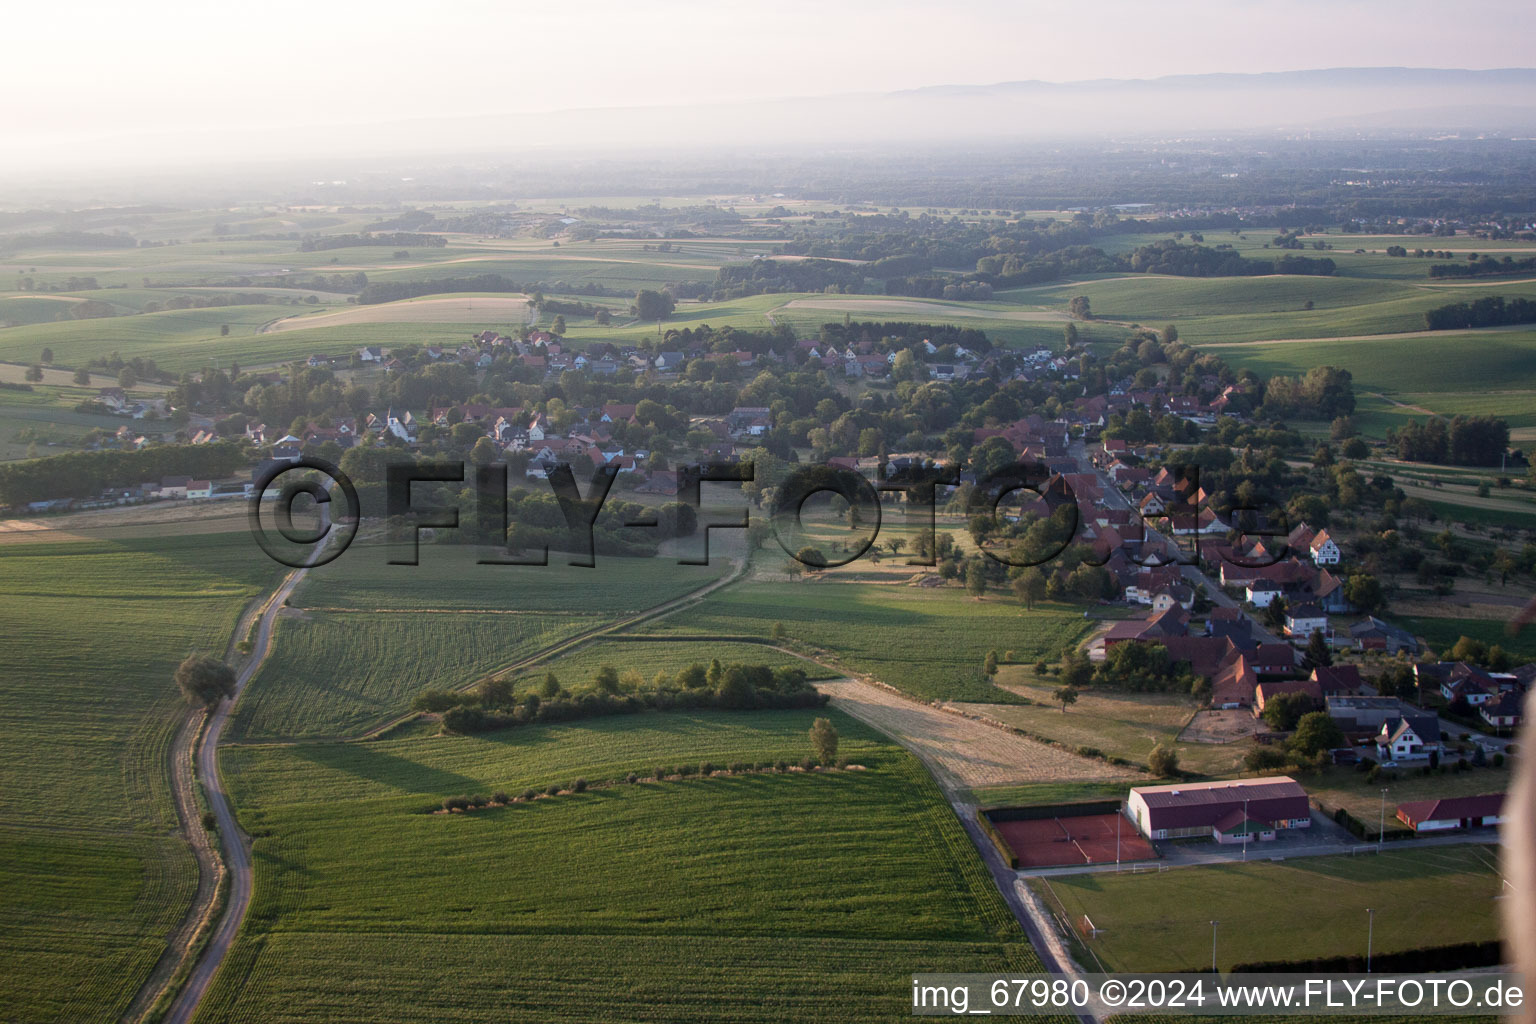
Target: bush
column 1163, row 761
column 528, row 794
column 1498, row 760
column 686, row 770
column 708, row 768
column 631, row 778
column 738, row 766
column 553, row 789
column 808, row 764
column 479, row 801
column 842, row 763
column 579, row 786
column 1263, row 759
column 781, row 765
column 500, row 798
column 210, row 821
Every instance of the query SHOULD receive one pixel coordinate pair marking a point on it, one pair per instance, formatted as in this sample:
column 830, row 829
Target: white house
column 1305, row 619
column 1408, row 738
column 200, row 489
column 1324, row 550
column 371, row 354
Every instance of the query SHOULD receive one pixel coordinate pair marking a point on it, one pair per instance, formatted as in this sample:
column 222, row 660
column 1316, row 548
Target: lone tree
column 824, row 740
column 653, row 305
column 989, row 663
column 779, row 632
column 1319, row 654
column 1029, row 587
column 810, row 558
column 1067, row 695
column 83, row 377
column 204, row 680
column 34, row 373
column 1163, row 761
column 550, row 688
column 47, row 356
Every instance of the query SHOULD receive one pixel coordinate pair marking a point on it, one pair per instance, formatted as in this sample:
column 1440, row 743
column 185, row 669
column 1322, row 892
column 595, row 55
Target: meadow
column 1120, row 724
column 93, row 875
column 929, row 643
column 1303, row 907
column 753, row 897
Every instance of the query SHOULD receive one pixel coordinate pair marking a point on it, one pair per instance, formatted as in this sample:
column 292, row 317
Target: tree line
column 1488, row 311
column 1464, row 441
column 86, row 474
column 494, row 704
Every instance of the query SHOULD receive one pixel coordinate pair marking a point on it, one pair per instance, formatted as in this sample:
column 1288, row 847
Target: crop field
column 449, row 578
column 476, row 309
column 1306, row 906
column 178, row 339
column 929, row 643
column 673, row 901
column 93, row 875
column 337, row 673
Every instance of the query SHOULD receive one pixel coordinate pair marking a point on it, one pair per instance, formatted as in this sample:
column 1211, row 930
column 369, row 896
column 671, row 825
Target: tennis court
column 1078, row 839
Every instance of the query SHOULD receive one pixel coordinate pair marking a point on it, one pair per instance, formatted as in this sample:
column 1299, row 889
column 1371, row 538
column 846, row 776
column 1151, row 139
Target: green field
column 930, row 643
column 1441, row 634
column 1304, row 907
column 1347, row 788
column 649, row 656
column 364, row 637
column 750, row 898
column 93, row 876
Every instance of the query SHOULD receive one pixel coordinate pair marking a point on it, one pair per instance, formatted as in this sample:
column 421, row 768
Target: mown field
column 751, row 898
column 927, row 642
column 93, row 877
column 1441, row 634
column 1120, row 724
column 1304, row 907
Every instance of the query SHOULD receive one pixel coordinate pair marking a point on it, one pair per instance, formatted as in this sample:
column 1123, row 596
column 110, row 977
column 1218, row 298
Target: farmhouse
column 1503, row 712
column 1225, row 811
column 1306, row 619
column 1452, row 813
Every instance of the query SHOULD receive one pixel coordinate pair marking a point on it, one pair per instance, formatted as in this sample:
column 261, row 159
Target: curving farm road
column 237, row 856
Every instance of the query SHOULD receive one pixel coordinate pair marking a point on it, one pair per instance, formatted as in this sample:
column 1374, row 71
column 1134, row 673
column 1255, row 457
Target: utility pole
column 1118, row 816
column 1213, row 945
column 1370, row 935
column 1381, row 825
column 1247, row 832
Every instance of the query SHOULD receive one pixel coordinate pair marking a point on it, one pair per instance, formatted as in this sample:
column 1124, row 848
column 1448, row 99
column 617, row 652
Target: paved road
column 237, row 855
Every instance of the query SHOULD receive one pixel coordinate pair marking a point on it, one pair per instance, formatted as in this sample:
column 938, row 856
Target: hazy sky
column 90, row 69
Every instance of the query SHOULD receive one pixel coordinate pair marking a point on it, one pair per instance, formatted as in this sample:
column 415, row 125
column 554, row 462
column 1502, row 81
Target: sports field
column 1303, row 907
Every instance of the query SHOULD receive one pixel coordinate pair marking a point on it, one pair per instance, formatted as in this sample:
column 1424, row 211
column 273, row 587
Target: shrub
column 553, row 789
column 781, row 765
column 1089, row 752
column 210, row 821
column 499, row 797
column 808, row 764
column 579, row 786
column 824, row 740
column 1163, row 761
column 528, row 794
column 842, row 763
column 738, row 766
column 631, row 778
column 708, row 768
column 479, row 801
column 1498, row 760
column 686, row 770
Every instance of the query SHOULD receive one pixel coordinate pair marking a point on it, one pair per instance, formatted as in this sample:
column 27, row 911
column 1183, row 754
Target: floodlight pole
column 1370, row 935
column 1247, row 832
column 1213, row 945
column 1381, row 824
column 1117, row 839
